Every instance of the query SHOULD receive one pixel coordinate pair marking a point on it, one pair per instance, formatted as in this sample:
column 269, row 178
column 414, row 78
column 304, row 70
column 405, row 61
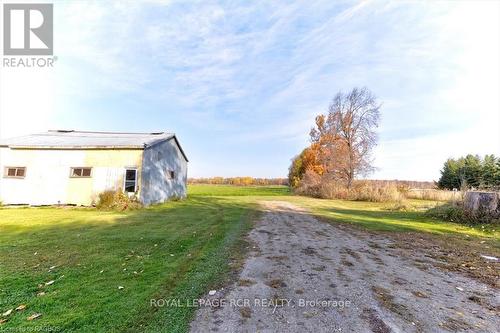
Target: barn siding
column 48, row 179
column 157, row 161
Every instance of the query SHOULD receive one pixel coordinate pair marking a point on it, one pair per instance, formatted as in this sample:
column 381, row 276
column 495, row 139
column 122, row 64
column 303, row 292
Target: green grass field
column 230, row 190
column 180, row 249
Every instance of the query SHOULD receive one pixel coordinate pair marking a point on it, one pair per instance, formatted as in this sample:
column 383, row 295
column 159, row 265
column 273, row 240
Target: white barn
column 73, row 167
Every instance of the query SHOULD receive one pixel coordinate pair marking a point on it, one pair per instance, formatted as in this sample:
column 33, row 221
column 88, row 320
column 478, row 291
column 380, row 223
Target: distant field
column 231, row 190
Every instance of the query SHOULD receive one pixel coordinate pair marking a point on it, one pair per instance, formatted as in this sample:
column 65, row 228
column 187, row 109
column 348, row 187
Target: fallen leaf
column 212, row 292
column 6, row 313
column 3, row 321
column 461, row 289
column 120, row 287
column 34, row 316
column 40, row 293
column 101, row 272
column 49, row 283
column 51, row 268
column 21, row 307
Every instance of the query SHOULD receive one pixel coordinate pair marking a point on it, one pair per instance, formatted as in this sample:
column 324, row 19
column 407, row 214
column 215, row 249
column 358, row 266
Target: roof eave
column 167, row 139
column 141, row 147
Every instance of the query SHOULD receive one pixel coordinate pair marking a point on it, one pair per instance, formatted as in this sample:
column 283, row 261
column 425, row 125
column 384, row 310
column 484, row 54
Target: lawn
column 179, row 250
column 174, row 250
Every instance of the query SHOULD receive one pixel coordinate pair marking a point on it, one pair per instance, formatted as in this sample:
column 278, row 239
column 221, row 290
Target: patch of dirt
column 386, row 282
column 346, row 262
column 377, row 325
column 309, row 251
column 276, row 283
column 246, row 312
column 246, row 283
column 419, row 294
column 352, row 253
column 454, row 253
column 455, row 325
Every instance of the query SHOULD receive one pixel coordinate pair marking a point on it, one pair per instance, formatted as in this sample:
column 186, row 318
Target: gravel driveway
column 306, row 275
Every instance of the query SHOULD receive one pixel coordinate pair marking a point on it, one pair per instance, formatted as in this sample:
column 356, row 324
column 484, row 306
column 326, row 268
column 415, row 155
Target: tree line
column 239, row 181
column 471, row 171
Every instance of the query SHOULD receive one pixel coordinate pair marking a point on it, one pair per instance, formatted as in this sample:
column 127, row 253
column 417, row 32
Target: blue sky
column 241, row 82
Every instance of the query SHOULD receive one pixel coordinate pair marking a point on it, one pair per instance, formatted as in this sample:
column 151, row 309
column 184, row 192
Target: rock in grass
column 212, row 292
column 21, row 307
column 6, row 313
column 120, row 287
column 34, row 316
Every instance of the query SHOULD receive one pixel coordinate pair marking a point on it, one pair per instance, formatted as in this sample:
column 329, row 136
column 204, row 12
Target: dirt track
column 307, row 275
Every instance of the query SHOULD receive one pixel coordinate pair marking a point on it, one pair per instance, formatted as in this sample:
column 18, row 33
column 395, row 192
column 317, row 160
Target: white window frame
column 72, row 174
column 7, row 168
column 125, row 180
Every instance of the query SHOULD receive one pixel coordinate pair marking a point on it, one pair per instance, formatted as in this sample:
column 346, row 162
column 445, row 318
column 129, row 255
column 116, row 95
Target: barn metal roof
column 69, row 139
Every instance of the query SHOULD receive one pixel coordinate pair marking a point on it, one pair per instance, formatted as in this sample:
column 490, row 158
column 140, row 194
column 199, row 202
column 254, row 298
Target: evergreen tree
column 490, row 171
column 470, row 171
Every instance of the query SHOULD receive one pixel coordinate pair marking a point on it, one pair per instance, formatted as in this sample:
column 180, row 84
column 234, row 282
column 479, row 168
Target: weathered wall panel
column 156, row 183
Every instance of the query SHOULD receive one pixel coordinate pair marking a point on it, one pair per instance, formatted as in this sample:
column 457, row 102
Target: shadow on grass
column 395, row 221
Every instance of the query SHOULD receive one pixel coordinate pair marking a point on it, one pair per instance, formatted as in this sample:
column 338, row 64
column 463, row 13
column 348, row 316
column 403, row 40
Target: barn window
column 81, row 172
column 131, row 180
column 170, row 174
column 15, row 172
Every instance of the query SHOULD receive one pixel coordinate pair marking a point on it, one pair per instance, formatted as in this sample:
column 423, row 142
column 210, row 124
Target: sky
column 240, row 83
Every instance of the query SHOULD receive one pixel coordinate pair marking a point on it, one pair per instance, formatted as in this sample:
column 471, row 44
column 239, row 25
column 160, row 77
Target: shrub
column 316, row 186
column 117, row 200
column 449, row 211
column 434, row 195
column 455, row 212
column 367, row 191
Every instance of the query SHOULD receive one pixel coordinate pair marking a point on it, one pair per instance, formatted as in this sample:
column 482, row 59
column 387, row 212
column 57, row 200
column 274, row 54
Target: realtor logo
column 28, row 29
